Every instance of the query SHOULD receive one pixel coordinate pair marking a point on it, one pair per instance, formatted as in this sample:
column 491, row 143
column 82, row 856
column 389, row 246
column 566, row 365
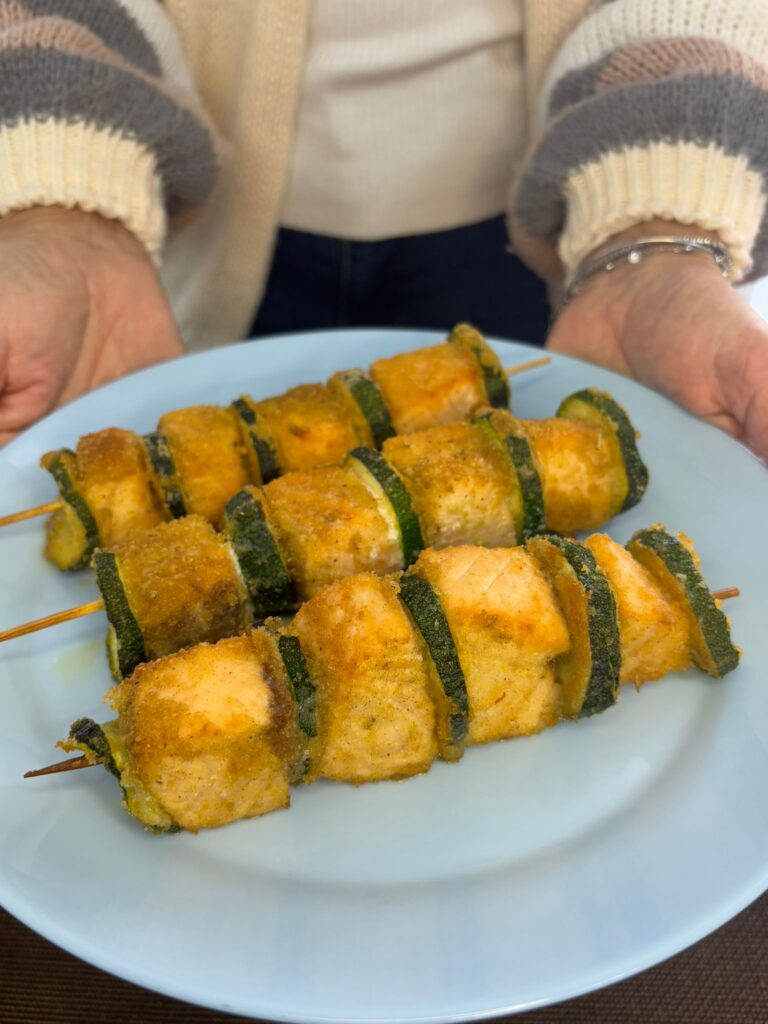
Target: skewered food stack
column 494, row 482
column 378, row 676
column 116, row 483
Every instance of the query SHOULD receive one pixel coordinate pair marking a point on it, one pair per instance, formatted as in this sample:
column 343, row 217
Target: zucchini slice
column 452, row 701
column 262, row 455
column 494, row 378
column 600, row 408
column 125, row 643
column 676, row 571
column 72, row 533
column 304, row 697
column 389, row 482
column 88, row 736
column 264, row 572
column 367, row 396
column 529, row 507
column 589, row 670
column 166, row 474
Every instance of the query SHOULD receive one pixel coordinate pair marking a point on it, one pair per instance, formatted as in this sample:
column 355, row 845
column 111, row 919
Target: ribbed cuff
column 51, row 163
column 681, row 182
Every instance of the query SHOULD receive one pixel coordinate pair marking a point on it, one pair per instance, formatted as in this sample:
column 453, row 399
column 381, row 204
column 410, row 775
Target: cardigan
column 177, row 119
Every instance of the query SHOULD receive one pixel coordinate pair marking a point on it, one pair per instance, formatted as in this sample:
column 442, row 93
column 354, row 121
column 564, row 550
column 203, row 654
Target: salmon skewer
column 376, row 677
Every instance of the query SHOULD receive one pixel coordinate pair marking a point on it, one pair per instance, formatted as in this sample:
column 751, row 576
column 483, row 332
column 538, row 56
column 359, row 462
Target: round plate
column 532, row 871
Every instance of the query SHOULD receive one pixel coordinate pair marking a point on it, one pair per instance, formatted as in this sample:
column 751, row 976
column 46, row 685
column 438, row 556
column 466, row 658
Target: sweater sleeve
column 97, row 111
column 651, row 109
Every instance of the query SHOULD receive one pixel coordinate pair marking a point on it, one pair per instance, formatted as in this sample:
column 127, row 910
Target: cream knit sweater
column 141, row 111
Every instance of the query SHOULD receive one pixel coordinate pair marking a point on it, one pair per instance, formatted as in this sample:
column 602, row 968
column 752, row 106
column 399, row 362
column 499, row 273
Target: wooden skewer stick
column 52, row 620
column 71, row 765
column 533, row 364
column 726, row 593
column 29, row 513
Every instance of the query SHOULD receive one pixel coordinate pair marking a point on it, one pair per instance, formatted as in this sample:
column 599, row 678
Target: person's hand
column 674, row 323
column 80, row 304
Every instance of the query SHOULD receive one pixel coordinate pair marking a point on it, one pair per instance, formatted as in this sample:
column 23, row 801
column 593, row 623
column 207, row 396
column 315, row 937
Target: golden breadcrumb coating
column 460, row 483
column 507, row 629
column 375, row 716
column 206, row 446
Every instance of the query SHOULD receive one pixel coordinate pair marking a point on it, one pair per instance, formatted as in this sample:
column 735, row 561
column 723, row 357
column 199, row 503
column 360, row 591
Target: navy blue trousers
column 423, row 281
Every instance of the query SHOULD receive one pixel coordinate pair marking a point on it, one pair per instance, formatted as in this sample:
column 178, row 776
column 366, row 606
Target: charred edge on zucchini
column 494, row 379
column 304, row 692
column 674, row 568
column 411, row 539
column 258, row 555
column 89, row 735
column 370, row 401
column 427, row 613
column 600, row 643
column 516, row 447
column 125, row 643
column 266, row 456
column 164, row 468
column 600, row 408
column 61, row 466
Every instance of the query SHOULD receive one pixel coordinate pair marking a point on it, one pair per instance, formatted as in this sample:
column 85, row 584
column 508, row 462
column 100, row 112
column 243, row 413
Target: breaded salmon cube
column 206, row 447
column 507, row 629
column 204, row 736
column 461, row 485
column 376, row 719
column 654, row 631
column 330, row 526
column 183, row 585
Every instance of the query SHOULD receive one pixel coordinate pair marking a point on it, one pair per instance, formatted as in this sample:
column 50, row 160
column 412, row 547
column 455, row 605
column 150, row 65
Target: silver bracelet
column 634, row 252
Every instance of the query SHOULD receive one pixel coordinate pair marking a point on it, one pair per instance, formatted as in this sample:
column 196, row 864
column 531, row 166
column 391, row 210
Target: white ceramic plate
column 533, row 871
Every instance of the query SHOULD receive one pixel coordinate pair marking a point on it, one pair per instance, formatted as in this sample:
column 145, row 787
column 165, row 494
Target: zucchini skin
column 427, row 613
column 533, row 520
column 396, row 494
column 266, row 456
column 304, row 695
column 367, row 395
column 602, row 633
column 608, row 409
column 264, row 572
column 129, row 643
column 89, row 734
column 56, row 464
column 164, row 468
column 494, row 379
column 714, row 653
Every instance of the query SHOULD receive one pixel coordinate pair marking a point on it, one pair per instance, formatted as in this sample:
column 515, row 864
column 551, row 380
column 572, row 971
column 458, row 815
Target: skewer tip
column 533, row 364
column 73, row 764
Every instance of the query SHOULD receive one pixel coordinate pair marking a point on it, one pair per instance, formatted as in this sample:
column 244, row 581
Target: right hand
column 80, row 304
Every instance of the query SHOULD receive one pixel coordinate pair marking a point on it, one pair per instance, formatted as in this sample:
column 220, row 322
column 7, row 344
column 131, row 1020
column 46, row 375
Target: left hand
column 674, row 323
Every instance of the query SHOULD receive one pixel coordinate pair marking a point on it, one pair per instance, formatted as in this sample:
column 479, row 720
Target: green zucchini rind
column 532, row 519
column 601, row 409
column 263, row 451
column 125, row 643
column 78, row 534
column 589, row 671
column 494, row 378
column 411, row 539
column 366, row 394
column 89, row 737
column 674, row 568
column 264, row 572
column 301, row 683
column 425, row 609
column 164, row 469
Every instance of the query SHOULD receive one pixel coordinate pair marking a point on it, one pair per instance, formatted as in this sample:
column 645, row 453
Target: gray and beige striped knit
column 147, row 111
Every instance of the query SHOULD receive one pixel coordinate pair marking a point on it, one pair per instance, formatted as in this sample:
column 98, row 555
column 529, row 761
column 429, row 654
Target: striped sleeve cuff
column 652, row 110
column 97, row 112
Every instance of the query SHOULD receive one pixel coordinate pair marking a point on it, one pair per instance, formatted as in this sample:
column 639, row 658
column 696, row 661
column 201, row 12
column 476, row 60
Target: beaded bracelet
column 634, row 252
